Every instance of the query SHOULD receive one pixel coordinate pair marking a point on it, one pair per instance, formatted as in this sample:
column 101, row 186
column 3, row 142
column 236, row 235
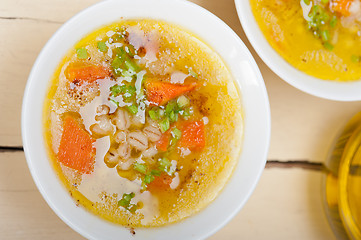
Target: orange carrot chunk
column 193, row 135
column 87, row 74
column 162, row 144
column 76, row 148
column 341, row 6
column 161, row 182
column 159, row 93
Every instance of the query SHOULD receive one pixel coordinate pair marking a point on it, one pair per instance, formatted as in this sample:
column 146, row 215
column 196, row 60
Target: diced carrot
column 161, row 182
column 162, row 144
column 76, row 148
column 193, row 135
column 87, row 73
column 341, row 6
column 159, row 93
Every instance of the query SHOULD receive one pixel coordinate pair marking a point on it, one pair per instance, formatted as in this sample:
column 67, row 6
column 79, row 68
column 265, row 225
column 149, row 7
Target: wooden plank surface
column 285, row 205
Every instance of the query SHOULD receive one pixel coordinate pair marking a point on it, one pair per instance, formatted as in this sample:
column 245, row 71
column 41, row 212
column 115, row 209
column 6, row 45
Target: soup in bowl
column 313, row 45
column 145, row 122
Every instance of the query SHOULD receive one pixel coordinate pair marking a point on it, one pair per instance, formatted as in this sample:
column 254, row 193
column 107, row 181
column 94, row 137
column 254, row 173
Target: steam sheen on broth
column 143, row 123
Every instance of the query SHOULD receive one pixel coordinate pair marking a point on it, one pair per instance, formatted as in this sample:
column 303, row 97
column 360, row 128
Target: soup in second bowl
column 143, row 123
column 319, row 37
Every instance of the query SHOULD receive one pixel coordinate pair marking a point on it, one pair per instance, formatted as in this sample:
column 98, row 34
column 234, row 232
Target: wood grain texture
column 285, row 205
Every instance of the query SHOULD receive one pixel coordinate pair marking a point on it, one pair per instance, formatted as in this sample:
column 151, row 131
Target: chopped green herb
column 192, row 73
column 125, row 202
column 131, row 65
column 116, row 63
column 115, row 90
column 328, row 46
column 170, row 107
column 133, row 109
column 128, row 91
column 117, row 37
column 307, row 2
column 325, row 35
column 164, row 164
column 102, row 47
column 148, row 178
column 153, row 114
column 333, row 21
column 164, row 125
column 176, row 133
column 140, row 167
column 182, row 101
column 81, row 53
column 173, row 117
column 120, row 53
column 155, row 172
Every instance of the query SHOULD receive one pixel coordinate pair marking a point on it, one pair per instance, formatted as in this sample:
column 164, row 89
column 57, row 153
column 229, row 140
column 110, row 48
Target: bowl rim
column 327, row 89
column 34, row 148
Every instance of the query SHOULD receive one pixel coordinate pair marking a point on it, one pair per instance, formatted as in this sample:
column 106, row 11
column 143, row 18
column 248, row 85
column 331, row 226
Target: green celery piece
column 102, row 47
column 176, row 133
column 125, row 200
column 328, row 46
column 155, row 172
column 148, row 178
column 171, row 107
column 81, row 53
column 116, row 63
column 333, row 21
column 142, row 168
column 325, row 35
column 133, row 109
column 115, row 90
column 182, row 101
column 153, row 114
column 164, row 125
column 131, row 65
column 164, row 164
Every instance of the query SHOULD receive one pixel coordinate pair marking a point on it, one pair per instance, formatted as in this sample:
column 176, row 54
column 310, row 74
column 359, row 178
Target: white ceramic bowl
column 255, row 102
column 333, row 90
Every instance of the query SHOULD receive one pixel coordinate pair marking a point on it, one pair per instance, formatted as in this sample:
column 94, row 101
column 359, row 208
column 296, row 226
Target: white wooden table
column 287, row 201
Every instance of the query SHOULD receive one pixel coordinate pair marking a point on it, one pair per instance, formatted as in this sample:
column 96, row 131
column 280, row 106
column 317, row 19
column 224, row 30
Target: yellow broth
column 284, row 25
column 198, row 175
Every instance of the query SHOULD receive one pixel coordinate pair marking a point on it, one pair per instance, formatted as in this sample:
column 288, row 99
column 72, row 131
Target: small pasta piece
column 124, row 151
column 103, row 109
column 150, row 152
column 136, row 122
column 112, row 158
column 121, row 119
column 138, row 140
column 120, row 136
column 153, row 133
column 126, row 165
column 103, row 127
